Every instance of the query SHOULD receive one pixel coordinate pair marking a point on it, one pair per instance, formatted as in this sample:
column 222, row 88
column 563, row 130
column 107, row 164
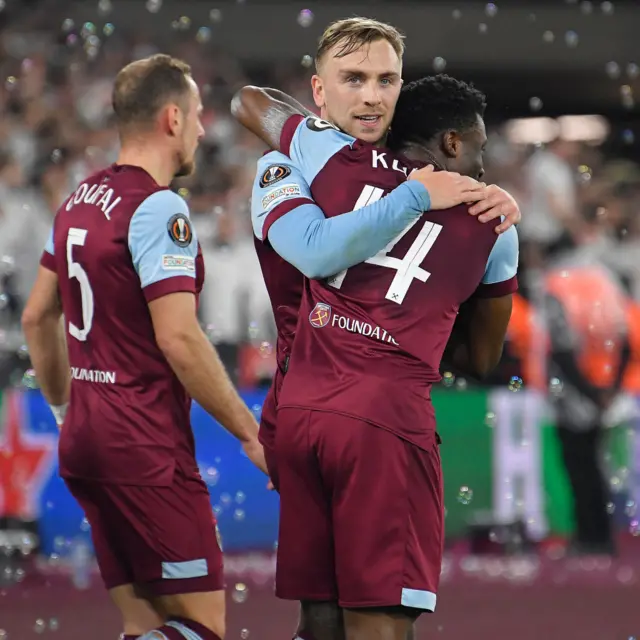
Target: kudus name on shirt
column 379, row 160
column 96, row 194
column 93, row 375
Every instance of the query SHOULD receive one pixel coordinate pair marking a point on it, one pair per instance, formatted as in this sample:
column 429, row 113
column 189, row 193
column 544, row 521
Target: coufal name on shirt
column 93, row 375
column 379, row 160
column 98, row 195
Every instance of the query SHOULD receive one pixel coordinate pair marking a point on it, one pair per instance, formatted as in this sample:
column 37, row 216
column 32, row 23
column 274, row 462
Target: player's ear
column 318, row 91
column 451, row 144
column 173, row 118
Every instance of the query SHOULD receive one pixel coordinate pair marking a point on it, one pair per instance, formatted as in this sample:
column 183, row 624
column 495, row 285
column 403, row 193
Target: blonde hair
column 351, row 34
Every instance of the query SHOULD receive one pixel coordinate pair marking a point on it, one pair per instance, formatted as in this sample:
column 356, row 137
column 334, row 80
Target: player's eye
column 385, row 82
column 353, row 79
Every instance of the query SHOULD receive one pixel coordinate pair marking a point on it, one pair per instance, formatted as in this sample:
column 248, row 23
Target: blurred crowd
column 579, row 204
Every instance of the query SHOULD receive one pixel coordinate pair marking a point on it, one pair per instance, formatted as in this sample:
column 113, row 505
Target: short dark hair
column 433, row 105
column 143, row 87
column 351, row 34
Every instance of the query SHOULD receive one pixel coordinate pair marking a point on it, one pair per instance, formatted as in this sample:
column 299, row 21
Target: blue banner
column 30, row 486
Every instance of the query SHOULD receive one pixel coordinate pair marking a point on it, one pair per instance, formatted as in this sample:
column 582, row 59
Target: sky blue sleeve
column 503, row 259
column 162, row 241
column 278, row 188
column 320, row 247
column 313, row 143
column 49, row 246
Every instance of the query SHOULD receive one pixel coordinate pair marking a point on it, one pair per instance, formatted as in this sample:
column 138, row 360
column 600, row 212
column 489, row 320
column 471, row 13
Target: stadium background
column 538, row 62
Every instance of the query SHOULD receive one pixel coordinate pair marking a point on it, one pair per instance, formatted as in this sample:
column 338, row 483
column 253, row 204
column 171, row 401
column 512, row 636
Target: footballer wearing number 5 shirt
column 356, row 445
column 124, row 266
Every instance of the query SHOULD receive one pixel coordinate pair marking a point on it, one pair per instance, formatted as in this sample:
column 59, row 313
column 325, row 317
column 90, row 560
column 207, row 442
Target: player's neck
column 419, row 153
column 157, row 165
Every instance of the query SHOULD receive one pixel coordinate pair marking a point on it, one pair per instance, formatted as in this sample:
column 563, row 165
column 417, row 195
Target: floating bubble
column 253, row 330
column 612, row 69
column 11, row 83
column 628, row 137
column 40, row 626
column 211, row 476
column 556, row 387
column 456, row 14
column 532, row 17
column 244, row 634
column 461, row 384
column 217, row 510
column 439, row 64
column 586, row 7
column 535, row 104
column 571, row 39
column 607, row 8
column 633, row 70
column 104, row 7
column 203, row 35
column 108, row 29
column 465, row 495
column 515, row 384
column 238, row 515
column 54, row 625
column 305, row 18
column 68, row 24
column 448, row 379
column 626, row 93
column 490, row 419
column 266, row 349
column 240, row 593
column 215, row 15
column 483, row 28
column 306, row 61
column 153, row 6
column 630, row 508
column 225, row 498
column 84, row 525
column 240, row 497
column 257, row 410
column 88, row 29
column 491, row 9
column 4, row 635
column 548, row 36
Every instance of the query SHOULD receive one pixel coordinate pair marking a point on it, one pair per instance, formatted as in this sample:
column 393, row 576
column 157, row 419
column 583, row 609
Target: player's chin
column 369, row 133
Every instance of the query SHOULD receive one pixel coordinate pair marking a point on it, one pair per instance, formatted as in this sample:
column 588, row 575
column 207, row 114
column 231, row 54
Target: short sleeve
column 163, row 245
column 500, row 276
column 278, row 188
column 311, row 142
column 47, row 260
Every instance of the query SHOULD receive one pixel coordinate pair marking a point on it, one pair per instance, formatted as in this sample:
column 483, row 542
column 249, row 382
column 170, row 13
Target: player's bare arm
column 198, row 367
column 476, row 345
column 264, row 114
column 44, row 332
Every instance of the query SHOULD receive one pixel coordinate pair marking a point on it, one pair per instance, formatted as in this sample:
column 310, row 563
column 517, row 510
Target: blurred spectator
column 589, row 351
column 551, row 211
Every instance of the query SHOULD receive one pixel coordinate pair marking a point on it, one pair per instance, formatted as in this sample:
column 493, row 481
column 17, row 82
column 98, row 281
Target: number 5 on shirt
column 77, row 238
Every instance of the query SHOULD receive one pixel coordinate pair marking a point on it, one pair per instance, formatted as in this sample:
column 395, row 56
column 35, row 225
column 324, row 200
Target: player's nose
column 371, row 95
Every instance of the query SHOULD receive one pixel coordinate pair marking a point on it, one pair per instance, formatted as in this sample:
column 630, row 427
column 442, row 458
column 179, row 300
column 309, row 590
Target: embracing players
column 355, row 420
column 124, row 267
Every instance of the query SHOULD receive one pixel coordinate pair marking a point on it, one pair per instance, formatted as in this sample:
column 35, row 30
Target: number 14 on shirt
column 407, row 268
